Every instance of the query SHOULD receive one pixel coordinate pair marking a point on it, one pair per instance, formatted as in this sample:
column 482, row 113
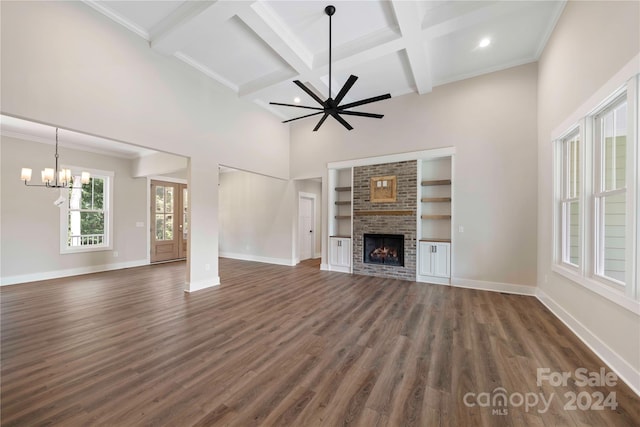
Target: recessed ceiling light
column 296, row 100
column 484, row 42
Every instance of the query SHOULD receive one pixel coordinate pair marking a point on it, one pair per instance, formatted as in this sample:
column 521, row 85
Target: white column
column 202, row 255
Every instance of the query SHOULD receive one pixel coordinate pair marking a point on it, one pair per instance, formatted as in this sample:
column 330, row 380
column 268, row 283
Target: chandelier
column 54, row 178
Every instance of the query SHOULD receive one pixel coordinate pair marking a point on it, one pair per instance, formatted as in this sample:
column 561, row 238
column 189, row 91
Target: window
column 571, row 247
column 610, row 140
column 164, row 215
column 596, row 194
column 86, row 215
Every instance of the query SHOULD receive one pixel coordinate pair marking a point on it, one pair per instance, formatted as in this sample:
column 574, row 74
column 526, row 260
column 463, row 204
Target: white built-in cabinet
column 340, row 219
column 435, row 259
column 435, row 213
column 340, row 254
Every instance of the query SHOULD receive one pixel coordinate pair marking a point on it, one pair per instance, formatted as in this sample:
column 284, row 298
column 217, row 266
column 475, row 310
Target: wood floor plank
column 276, row 345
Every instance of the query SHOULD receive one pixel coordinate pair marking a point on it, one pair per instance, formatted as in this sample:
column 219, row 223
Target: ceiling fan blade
column 297, row 106
column 365, row 101
column 361, row 114
column 343, row 122
column 309, row 92
column 350, row 81
column 303, row 117
column 321, row 122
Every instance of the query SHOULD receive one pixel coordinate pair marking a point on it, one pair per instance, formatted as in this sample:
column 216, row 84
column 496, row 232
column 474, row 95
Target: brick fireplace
column 385, row 219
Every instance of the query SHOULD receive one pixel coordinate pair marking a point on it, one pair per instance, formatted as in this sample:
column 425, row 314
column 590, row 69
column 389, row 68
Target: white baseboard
column 509, row 288
column 324, row 267
column 433, row 280
column 621, row 367
column 257, row 258
column 56, row 274
column 202, row 284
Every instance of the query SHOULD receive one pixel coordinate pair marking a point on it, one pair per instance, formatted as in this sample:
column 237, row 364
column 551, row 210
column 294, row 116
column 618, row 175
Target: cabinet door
column 441, row 260
column 426, row 259
column 334, row 249
column 340, row 252
column 345, row 253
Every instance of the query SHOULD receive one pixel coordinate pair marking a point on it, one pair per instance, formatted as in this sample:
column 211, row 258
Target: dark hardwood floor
column 287, row 346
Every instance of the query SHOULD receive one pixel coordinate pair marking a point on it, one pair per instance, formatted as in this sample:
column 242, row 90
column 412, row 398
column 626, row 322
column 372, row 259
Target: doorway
column 307, row 225
column 169, row 221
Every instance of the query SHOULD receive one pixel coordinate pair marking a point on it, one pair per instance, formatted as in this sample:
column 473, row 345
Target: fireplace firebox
column 387, row 249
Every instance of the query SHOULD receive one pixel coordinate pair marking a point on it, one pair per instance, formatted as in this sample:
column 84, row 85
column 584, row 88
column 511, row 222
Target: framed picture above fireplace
column 383, row 189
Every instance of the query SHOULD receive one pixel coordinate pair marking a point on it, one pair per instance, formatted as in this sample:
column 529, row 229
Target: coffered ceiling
column 257, row 48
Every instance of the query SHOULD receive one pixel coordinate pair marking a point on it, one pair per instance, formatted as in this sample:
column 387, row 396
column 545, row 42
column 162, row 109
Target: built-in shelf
column 343, row 188
column 385, row 213
column 347, row 202
column 436, row 182
column 427, row 239
column 436, row 216
column 343, row 216
column 435, row 199
column 341, row 237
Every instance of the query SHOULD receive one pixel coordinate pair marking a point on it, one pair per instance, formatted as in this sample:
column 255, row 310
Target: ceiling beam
column 409, row 20
column 187, row 23
column 266, row 25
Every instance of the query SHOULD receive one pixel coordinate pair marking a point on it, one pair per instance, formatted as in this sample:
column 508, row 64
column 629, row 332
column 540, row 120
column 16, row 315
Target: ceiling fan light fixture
column 330, row 106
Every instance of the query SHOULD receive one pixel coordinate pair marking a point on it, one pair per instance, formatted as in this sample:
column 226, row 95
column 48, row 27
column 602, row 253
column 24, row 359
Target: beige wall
column 257, row 217
column 67, row 65
column 591, row 42
column 491, row 121
column 30, row 223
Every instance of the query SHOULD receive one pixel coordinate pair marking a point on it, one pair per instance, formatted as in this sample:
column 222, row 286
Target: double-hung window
column 571, row 239
column 610, row 191
column 85, row 217
column 597, row 233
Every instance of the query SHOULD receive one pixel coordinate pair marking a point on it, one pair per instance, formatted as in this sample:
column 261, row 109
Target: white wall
column 159, row 164
column 591, row 42
column 491, row 121
column 257, row 218
column 30, row 223
column 65, row 64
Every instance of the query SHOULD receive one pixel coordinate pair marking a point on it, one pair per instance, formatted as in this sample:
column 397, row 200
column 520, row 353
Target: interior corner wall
column 491, row 121
column 30, row 223
column 257, row 217
column 591, row 42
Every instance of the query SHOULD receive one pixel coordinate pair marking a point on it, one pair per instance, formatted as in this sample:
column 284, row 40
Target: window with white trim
column 85, row 219
column 610, row 143
column 571, row 246
column 596, row 226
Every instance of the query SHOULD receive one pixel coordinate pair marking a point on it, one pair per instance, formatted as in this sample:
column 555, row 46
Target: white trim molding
column 509, row 288
column 392, row 158
column 268, row 260
column 621, row 367
column 203, row 284
column 57, row 274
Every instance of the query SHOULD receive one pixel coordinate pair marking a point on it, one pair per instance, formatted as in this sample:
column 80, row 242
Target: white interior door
column 306, row 223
